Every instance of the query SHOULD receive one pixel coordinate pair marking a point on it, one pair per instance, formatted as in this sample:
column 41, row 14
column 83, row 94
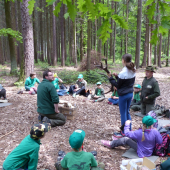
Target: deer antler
column 107, row 71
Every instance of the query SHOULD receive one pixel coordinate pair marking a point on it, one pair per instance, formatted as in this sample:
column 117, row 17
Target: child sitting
column 114, row 98
column 78, row 159
column 142, row 140
column 25, row 155
column 136, row 104
column 56, row 80
column 99, row 93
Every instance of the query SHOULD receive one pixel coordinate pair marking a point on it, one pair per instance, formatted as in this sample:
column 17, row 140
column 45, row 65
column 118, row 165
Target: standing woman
column 124, row 83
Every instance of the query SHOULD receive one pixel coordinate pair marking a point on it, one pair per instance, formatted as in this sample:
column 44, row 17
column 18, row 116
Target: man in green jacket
column 150, row 90
column 47, row 102
column 25, row 155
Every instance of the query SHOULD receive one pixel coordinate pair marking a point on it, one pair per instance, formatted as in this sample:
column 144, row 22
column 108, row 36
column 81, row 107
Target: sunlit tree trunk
column 160, row 50
column 10, row 39
column 88, row 44
column 27, row 38
column 167, row 61
column 138, row 34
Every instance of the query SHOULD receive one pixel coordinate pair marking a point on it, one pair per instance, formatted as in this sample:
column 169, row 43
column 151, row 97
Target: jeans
column 124, row 105
column 114, row 101
column 124, row 141
column 61, row 92
column 81, row 91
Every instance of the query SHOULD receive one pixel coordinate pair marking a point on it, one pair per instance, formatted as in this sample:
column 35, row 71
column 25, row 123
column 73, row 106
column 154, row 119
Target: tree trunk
column 41, row 33
column 88, row 44
column 167, row 61
column 10, row 39
column 21, row 45
column 54, row 38
column 71, row 50
column 62, row 35
column 138, row 34
column 1, row 53
column 51, row 34
column 35, row 37
column 127, row 14
column 114, row 41
column 111, row 34
column 28, row 38
column 160, row 50
column 81, row 40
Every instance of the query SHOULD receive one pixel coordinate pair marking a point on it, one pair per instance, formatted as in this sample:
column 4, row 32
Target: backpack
column 162, row 149
column 153, row 114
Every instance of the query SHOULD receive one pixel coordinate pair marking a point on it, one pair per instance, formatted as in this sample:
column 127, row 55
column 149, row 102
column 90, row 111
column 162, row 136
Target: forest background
column 80, row 32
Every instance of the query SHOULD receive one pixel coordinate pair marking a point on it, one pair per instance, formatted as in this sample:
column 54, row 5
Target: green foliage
column 92, row 76
column 42, row 65
column 19, row 84
column 31, row 6
column 15, row 34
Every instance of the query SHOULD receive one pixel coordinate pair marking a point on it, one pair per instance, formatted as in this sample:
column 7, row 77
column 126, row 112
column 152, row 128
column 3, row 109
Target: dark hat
column 38, row 130
column 150, row 68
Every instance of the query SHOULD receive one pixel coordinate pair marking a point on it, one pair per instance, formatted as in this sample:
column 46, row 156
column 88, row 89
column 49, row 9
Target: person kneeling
column 25, row 155
column 2, row 93
column 78, row 159
column 114, row 100
column 142, row 140
column 99, row 93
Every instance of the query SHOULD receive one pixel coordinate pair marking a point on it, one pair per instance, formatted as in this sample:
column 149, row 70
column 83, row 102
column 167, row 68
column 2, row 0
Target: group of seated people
column 25, row 155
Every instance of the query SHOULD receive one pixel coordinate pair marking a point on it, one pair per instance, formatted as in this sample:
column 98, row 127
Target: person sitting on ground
column 135, row 103
column 82, row 85
column 47, row 102
column 114, row 100
column 142, row 140
column 78, row 159
column 98, row 94
column 30, row 84
column 25, row 155
column 2, row 93
column 55, row 82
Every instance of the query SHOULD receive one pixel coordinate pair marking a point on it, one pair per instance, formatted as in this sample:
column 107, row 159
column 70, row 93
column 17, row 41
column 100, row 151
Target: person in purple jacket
column 142, row 140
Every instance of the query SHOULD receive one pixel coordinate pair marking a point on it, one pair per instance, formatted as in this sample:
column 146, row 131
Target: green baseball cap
column 80, row 76
column 137, row 86
column 99, row 83
column 76, row 138
column 38, row 130
column 150, row 68
column 148, row 120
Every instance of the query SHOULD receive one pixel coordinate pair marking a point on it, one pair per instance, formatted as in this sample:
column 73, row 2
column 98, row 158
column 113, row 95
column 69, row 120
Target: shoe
column 106, row 143
column 110, row 103
column 46, row 120
column 74, row 95
column 118, row 134
column 20, row 92
column 40, row 118
column 114, row 138
column 93, row 101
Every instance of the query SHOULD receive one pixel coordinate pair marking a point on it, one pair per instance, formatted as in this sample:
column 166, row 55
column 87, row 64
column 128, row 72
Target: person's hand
column 109, row 74
column 56, row 110
column 31, row 90
column 115, row 74
column 112, row 97
column 146, row 97
column 57, row 90
column 128, row 122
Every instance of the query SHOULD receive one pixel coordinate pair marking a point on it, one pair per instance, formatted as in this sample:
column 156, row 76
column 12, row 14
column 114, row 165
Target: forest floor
column 98, row 120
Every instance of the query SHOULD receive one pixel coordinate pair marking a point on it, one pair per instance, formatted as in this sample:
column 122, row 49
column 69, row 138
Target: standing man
column 47, row 102
column 150, row 90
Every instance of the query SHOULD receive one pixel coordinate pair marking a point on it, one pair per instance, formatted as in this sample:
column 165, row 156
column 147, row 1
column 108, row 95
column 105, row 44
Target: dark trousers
column 81, row 91
column 57, row 119
column 3, row 93
column 146, row 108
